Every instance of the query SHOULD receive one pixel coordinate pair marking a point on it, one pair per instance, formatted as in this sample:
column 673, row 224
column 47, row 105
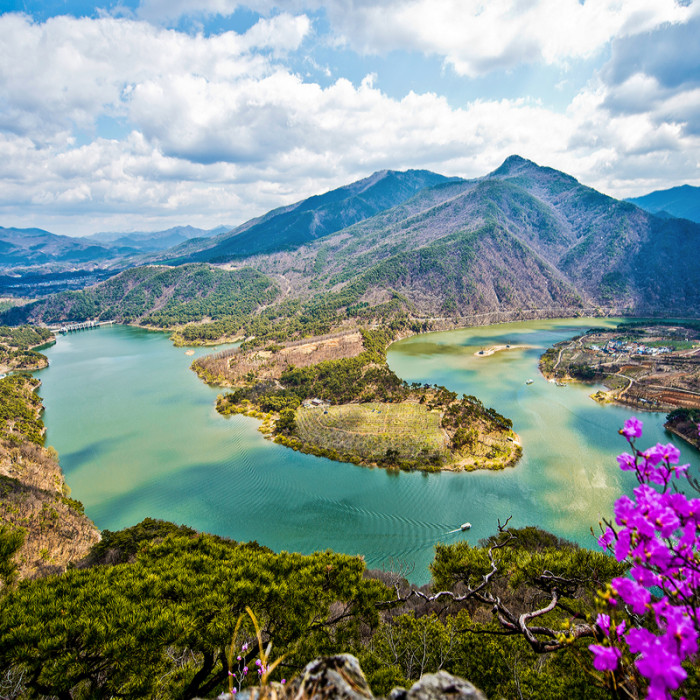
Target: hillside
column 313, row 218
column 683, row 202
column 156, row 295
column 33, row 493
column 523, row 241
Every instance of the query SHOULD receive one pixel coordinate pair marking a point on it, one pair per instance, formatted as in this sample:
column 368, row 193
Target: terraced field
column 370, row 430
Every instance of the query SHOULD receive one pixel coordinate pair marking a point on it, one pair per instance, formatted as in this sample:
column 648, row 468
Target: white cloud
column 218, row 130
column 67, row 71
column 478, row 36
column 473, row 36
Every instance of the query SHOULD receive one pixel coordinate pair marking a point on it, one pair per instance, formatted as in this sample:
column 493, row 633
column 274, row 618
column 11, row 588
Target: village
column 647, row 366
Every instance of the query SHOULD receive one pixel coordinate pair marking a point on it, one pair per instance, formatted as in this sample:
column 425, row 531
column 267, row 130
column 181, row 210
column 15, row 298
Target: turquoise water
column 138, row 436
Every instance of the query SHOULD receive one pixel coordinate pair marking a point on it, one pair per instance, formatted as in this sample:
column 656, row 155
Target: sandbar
column 485, row 352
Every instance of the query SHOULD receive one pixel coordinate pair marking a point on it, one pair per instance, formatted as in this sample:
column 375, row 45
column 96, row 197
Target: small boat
column 465, row 526
column 529, row 381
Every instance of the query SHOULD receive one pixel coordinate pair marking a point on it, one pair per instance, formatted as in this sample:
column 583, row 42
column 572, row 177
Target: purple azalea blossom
column 605, row 658
column 603, row 621
column 632, row 429
column 659, row 533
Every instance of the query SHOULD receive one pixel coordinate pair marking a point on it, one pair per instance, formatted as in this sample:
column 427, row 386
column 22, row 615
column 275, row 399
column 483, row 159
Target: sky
column 138, row 115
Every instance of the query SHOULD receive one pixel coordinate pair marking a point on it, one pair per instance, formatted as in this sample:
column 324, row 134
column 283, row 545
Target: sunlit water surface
column 138, row 436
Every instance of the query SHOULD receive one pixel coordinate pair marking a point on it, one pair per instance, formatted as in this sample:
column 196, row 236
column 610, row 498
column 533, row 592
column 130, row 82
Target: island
column 646, row 365
column 334, row 396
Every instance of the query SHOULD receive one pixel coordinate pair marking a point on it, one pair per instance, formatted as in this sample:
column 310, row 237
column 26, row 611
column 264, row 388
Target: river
column 138, row 436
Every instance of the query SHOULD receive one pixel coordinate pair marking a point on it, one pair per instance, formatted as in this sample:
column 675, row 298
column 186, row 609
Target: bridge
column 80, row 326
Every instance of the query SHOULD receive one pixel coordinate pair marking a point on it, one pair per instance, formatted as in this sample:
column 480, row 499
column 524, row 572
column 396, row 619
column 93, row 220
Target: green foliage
column 163, row 296
column 11, row 540
column 20, row 408
column 122, row 545
column 576, row 573
column 23, row 337
column 407, row 646
column 286, row 423
column 120, row 630
column 684, row 414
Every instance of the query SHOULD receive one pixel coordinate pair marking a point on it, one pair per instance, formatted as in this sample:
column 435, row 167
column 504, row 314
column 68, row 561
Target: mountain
column 523, row 240
column 683, row 202
column 289, row 227
column 150, row 241
column 156, row 296
column 522, row 237
column 34, row 246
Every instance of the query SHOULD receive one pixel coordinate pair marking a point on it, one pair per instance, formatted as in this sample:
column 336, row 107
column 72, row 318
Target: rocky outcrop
column 34, row 496
column 341, row 678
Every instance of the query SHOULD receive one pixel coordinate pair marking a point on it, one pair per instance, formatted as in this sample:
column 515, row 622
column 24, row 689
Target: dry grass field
column 369, row 430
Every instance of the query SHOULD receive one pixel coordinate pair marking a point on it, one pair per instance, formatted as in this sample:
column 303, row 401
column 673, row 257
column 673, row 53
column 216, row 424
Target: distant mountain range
column 682, row 202
column 150, row 241
column 34, row 246
column 522, row 239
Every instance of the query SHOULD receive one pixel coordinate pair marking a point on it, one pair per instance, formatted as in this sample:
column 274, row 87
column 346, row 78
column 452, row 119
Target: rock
column 333, row 677
column 440, row 685
column 341, row 677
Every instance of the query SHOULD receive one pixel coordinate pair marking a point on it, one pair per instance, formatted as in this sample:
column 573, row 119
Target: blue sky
column 144, row 114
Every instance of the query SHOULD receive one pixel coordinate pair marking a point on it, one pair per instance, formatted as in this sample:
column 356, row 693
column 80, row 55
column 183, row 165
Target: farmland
column 373, row 430
column 653, row 366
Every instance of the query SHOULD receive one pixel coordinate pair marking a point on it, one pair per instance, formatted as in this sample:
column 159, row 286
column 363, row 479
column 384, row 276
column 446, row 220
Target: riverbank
column 651, row 367
column 35, row 497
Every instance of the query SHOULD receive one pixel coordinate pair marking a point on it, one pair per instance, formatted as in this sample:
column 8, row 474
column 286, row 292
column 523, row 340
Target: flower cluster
column 658, row 532
column 264, row 666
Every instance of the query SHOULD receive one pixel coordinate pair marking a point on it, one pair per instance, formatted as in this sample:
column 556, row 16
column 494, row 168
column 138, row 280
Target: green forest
column 16, row 347
column 159, row 296
column 152, row 611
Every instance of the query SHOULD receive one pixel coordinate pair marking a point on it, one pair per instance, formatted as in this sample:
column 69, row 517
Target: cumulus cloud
column 670, row 54
column 473, row 36
column 67, row 71
column 219, row 129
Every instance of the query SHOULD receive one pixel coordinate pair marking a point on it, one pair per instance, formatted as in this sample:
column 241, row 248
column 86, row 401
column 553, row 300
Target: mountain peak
column 513, row 164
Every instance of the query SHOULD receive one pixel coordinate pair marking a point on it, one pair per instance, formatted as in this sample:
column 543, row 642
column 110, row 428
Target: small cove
column 138, row 436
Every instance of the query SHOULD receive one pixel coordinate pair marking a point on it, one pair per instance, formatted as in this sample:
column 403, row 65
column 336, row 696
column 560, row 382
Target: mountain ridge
column 682, row 202
column 523, row 237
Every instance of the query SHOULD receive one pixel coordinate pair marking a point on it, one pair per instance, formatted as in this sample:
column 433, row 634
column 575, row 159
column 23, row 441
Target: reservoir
column 138, row 437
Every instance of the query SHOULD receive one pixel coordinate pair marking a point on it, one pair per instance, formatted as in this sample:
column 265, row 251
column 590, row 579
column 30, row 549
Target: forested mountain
column 522, row 240
column 683, row 202
column 315, row 217
column 160, row 296
column 150, row 241
column 523, row 237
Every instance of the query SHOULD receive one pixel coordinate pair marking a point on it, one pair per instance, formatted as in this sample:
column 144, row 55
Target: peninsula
column 17, row 348
column 647, row 365
column 334, row 396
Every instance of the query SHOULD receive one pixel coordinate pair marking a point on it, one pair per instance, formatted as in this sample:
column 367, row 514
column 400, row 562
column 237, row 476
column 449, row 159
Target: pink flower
column 605, row 658
column 603, row 621
column 606, row 538
column 632, row 429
